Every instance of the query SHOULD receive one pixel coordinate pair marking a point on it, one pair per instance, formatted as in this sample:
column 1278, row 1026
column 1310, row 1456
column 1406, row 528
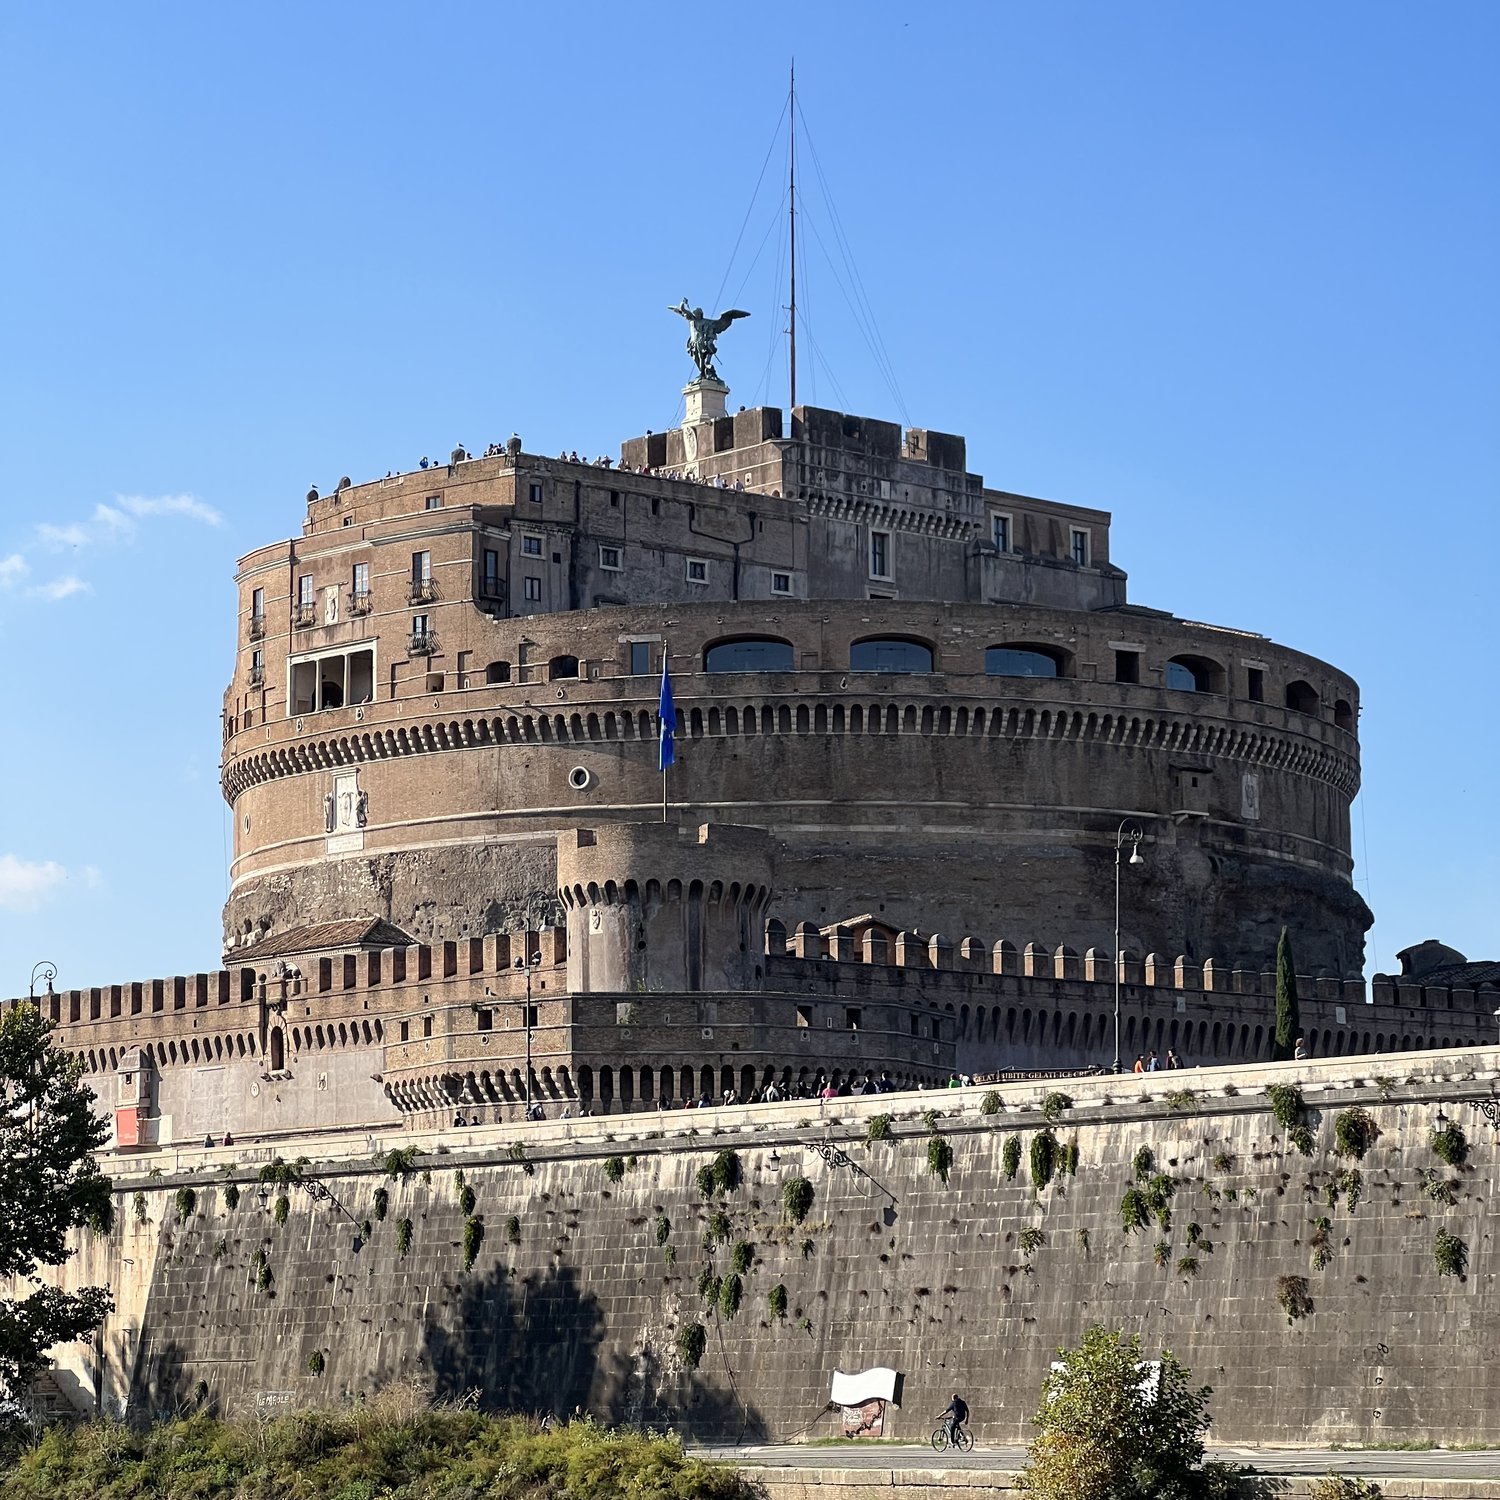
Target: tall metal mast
column 792, row 206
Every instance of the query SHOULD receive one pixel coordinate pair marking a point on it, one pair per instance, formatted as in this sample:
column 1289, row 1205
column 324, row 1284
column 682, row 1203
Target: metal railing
column 421, row 643
column 305, row 613
column 257, row 676
column 257, row 627
column 422, row 591
column 359, row 602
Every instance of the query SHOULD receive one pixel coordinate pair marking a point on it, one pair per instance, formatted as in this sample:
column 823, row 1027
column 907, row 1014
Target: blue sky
column 1227, row 271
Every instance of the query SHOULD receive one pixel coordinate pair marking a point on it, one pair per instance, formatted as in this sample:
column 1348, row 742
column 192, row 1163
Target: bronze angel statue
column 703, row 336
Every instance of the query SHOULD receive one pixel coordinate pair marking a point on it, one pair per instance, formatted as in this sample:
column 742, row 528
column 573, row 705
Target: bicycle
column 962, row 1439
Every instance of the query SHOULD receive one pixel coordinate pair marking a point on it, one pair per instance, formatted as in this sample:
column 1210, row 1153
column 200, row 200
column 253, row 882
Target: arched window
column 562, row 666
column 758, row 653
column 497, row 671
column 1024, row 661
column 1302, row 697
column 1194, row 674
column 890, row 654
column 1343, row 715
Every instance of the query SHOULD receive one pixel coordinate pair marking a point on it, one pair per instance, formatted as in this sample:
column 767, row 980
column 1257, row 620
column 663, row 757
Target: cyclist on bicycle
column 957, row 1413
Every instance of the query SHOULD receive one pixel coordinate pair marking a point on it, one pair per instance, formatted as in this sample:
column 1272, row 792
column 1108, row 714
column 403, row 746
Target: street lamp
column 1125, row 834
column 44, row 969
column 527, row 965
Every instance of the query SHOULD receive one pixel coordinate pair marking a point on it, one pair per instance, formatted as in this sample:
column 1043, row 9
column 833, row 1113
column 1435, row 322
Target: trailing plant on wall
column 1161, row 1254
column 718, row 1229
column 614, row 1167
column 1295, row 1298
column 1043, row 1158
column 513, row 1230
column 1181, row 1101
column 878, row 1128
column 796, row 1199
column 989, row 1103
column 1030, row 1239
column 730, row 1293
column 741, row 1257
column 473, row 1239
column 382, row 1203
column 400, row 1164
column 260, row 1271
column 1300, row 1137
column 939, row 1158
column 691, row 1342
column 1343, row 1487
column 1068, row 1161
column 1143, row 1163
column 776, row 1301
column 282, row 1173
column 663, row 1229
column 727, row 1170
column 281, row 1209
column 704, row 1177
column 187, row 1201
column 403, row 1236
column 1054, row 1104
column 1354, row 1132
column 1438, row 1188
column 1450, row 1144
column 1351, row 1183
column 315, row 1362
column 1449, row 1254
column 232, row 1195
column 1158, row 1195
column 1286, row 1103
column 708, row 1284
column 466, row 1200
column 1010, row 1156
column 1135, row 1212
column 1187, row 1265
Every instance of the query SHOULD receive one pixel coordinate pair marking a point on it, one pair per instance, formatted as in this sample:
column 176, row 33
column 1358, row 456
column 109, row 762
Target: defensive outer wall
column 593, row 1253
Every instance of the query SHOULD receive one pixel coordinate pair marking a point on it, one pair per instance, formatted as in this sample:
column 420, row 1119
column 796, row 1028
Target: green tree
column 50, row 1184
column 1288, row 1022
column 1112, row 1427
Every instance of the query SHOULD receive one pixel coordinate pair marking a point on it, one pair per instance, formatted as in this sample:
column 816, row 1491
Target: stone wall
column 969, row 1284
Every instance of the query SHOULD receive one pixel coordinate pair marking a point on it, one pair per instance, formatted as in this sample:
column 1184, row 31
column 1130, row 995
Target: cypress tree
column 1288, row 1022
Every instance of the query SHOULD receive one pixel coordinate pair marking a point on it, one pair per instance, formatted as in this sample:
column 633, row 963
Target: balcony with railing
column 305, row 613
column 359, row 602
column 257, row 627
column 257, row 675
column 421, row 643
column 422, row 591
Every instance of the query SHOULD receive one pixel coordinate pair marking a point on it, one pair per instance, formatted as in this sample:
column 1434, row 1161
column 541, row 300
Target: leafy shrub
column 1135, row 1212
column 1161, row 1254
column 473, row 1239
column 930, row 1118
column 730, row 1292
column 939, row 1158
column 282, row 1174
column 741, row 1257
column 1181, row 1101
column 989, row 1102
column 232, row 1195
column 382, row 1203
column 691, row 1342
column 1300, row 1137
column 1188, row 1266
column 221, row 1248
column 315, row 1362
column 400, row 1164
column 260, row 1271
column 796, row 1199
column 1030, row 1239
column 1438, row 1188
column 1449, row 1254
column 718, row 1227
column 1158, row 1195
column 1286, row 1103
column 403, row 1236
column 1010, row 1156
column 1194, row 1233
column 663, row 1229
column 669, row 1254
column 878, row 1128
column 1143, row 1163
column 708, row 1284
column 704, row 1177
column 1351, row 1183
column 1294, row 1296
column 776, row 1301
column 1354, row 1132
column 1343, row 1487
column 1043, row 1158
column 1223, row 1162
column 187, row 1201
column 614, row 1167
column 727, row 1170
column 466, row 1200
column 1450, row 1144
column 1069, row 1159
column 281, row 1209
column 1054, row 1104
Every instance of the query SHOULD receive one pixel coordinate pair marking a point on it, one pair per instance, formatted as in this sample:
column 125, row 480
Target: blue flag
column 666, row 719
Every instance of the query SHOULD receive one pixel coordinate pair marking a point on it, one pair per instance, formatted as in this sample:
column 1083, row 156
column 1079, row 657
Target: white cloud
column 12, row 570
column 170, row 505
column 24, row 883
column 59, row 588
column 72, row 535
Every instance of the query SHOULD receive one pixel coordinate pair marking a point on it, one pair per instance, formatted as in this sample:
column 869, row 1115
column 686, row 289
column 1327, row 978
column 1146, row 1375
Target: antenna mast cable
column 792, row 206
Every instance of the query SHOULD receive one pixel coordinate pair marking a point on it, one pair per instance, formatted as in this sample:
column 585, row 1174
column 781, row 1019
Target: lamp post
column 527, row 965
column 44, row 969
column 1125, row 834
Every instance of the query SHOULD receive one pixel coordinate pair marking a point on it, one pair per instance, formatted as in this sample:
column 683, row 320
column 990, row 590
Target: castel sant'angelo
column 919, row 722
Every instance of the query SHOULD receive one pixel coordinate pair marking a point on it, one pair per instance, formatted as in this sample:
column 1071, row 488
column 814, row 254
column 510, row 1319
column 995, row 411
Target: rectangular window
column 1127, row 666
column 485, row 1020
column 536, row 493
column 852, row 1018
column 1255, row 685
column 257, row 667
column 781, row 583
column 697, row 570
column 1000, row 531
column 609, row 558
column 421, row 567
column 640, row 658
column 305, row 591
column 914, row 1024
column 530, row 1017
column 491, row 575
column 804, row 1016
column 434, row 502
column 361, row 580
column 257, row 604
column 1079, row 547
column 419, row 624
column 426, row 1025
column 534, row 590
column 880, row 554
column 531, row 546
column 406, row 1031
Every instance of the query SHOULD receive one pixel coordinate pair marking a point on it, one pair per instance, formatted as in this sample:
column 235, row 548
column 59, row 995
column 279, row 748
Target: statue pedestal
column 705, row 401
